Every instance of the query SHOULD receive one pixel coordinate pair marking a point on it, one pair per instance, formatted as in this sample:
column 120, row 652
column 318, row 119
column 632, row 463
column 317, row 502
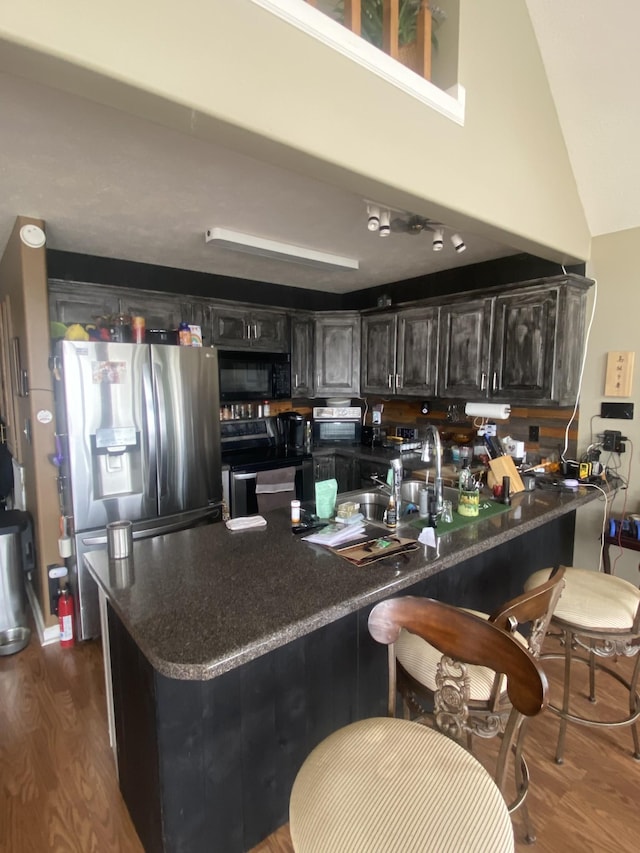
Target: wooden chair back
column 535, row 606
column 466, row 638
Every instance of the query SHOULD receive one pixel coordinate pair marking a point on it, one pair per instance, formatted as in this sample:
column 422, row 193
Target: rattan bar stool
column 598, row 616
column 391, row 785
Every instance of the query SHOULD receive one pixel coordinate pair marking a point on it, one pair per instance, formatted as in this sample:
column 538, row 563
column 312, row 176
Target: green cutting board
column 488, row 509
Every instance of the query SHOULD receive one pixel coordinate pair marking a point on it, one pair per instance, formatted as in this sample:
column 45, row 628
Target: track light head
column 458, row 243
column 385, row 223
column 438, row 239
column 373, row 214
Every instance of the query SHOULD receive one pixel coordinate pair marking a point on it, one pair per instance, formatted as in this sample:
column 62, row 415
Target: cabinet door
column 324, row 467
column 338, row 354
column 378, row 353
column 463, row 358
column 347, row 473
column 302, row 340
column 81, row 303
column 523, row 346
column 231, row 327
column 417, row 352
column 164, row 312
column 269, row 331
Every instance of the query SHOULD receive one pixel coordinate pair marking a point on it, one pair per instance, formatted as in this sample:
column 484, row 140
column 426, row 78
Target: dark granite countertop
column 203, row 601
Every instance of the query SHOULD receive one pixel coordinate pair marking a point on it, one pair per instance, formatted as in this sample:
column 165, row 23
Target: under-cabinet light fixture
column 237, row 241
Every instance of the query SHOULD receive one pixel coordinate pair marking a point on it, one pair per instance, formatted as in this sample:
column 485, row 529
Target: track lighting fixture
column 458, row 243
column 373, row 214
column 379, row 219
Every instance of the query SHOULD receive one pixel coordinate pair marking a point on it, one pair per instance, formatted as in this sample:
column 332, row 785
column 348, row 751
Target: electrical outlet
column 534, row 433
column 621, row 411
column 612, row 441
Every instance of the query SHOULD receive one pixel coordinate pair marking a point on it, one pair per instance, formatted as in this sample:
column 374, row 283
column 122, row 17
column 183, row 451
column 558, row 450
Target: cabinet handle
column 398, row 381
column 495, row 381
column 255, row 331
column 389, row 380
column 483, row 381
column 247, row 332
column 295, row 379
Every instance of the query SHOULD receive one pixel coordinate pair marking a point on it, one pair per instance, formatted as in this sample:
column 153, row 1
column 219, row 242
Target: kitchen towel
column 275, row 488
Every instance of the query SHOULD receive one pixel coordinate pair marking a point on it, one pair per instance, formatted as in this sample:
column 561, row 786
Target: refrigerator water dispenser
column 117, row 464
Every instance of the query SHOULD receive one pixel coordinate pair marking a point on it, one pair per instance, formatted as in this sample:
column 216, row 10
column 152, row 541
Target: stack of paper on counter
column 336, row 534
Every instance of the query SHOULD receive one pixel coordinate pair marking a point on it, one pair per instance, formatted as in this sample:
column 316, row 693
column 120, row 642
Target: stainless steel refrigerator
column 139, row 439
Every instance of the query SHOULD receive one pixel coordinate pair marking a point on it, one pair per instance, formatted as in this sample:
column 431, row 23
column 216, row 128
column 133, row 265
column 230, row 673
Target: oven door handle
column 243, row 476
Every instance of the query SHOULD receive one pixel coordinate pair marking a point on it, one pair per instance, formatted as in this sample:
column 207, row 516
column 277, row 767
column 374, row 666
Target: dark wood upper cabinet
column 302, row 355
column 399, row 352
column 337, row 349
column 523, row 346
column 379, row 335
column 417, row 352
column 463, row 359
column 248, row 328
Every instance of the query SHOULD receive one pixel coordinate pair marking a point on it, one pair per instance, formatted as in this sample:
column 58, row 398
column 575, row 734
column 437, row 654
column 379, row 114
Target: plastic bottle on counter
column 266, row 409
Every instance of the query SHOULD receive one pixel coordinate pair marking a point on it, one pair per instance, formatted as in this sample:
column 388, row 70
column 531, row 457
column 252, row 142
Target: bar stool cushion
column 420, row 659
column 386, row 784
column 593, row 599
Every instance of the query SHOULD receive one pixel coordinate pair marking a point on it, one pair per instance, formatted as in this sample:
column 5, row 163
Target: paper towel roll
column 492, row 411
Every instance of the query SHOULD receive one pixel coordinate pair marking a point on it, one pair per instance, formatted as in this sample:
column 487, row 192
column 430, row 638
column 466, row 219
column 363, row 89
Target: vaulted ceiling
column 112, row 184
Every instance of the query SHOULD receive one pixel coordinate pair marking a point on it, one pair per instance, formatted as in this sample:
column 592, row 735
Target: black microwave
column 247, row 375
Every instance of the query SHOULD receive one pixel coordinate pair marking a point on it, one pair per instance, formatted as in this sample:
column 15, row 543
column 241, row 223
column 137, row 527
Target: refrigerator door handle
column 160, row 529
column 149, row 415
column 161, row 424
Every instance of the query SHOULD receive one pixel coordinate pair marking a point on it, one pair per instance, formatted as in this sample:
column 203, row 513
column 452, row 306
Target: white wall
column 229, row 70
column 615, row 266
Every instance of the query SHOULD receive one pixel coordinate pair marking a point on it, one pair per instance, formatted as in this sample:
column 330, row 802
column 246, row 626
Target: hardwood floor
column 58, row 789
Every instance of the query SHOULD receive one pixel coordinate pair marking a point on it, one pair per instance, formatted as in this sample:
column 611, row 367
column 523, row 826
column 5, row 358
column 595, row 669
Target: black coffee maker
column 291, row 429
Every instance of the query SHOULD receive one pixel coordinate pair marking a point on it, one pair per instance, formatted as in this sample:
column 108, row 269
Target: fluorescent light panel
column 252, row 245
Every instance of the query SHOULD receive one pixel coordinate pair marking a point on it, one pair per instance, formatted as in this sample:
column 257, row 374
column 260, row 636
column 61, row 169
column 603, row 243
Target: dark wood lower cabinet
column 208, row 766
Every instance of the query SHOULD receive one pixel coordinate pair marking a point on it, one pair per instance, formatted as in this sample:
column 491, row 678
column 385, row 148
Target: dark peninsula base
column 208, row 765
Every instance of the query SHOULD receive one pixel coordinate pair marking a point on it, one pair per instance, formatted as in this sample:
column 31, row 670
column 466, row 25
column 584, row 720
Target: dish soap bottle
column 391, row 514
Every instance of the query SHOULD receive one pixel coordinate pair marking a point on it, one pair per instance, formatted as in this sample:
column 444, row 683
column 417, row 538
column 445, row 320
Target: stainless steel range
column 252, row 446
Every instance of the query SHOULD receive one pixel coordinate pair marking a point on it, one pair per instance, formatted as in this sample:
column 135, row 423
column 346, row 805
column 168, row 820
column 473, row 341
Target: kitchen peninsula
column 234, row 653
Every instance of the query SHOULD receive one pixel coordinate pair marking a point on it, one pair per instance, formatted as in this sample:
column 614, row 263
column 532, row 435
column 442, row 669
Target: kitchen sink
column 373, row 502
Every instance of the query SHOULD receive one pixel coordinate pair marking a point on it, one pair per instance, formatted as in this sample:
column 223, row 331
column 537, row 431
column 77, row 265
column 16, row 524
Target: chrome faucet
column 425, row 456
column 381, row 483
column 396, row 467
column 395, row 487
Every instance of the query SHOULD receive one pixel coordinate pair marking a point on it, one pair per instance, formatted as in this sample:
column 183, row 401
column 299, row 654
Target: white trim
column 321, row 27
column 46, row 635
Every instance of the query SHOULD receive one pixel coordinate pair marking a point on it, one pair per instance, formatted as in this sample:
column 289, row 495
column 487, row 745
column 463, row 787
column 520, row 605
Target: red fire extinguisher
column 65, row 618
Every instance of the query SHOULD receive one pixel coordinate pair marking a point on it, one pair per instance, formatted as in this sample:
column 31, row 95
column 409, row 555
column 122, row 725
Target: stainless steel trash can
column 15, row 530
